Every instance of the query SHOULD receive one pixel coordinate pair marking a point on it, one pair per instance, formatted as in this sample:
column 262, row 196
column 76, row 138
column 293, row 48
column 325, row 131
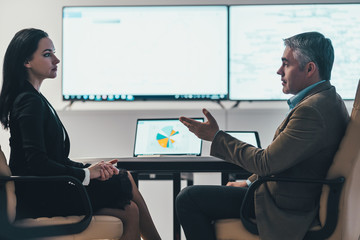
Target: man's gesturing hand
column 206, row 130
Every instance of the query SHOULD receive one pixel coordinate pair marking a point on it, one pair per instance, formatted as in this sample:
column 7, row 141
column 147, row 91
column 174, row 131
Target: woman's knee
column 132, row 181
column 130, row 176
column 132, row 209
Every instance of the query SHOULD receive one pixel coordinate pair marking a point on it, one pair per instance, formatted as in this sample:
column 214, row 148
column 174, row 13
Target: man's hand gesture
column 206, row 130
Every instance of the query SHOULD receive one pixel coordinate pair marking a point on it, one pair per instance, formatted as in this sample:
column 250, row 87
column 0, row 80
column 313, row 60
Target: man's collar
column 294, row 100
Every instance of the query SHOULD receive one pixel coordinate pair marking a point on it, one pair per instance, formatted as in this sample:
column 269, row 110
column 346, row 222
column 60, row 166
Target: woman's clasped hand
column 103, row 170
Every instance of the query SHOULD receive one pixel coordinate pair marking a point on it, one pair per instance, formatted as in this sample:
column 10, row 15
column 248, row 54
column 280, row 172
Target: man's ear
column 311, row 68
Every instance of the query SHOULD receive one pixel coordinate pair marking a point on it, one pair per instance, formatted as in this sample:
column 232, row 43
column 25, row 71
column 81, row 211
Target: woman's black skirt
column 63, row 199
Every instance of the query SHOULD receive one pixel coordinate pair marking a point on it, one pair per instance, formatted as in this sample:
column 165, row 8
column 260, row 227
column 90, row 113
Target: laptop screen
column 165, row 137
column 251, row 137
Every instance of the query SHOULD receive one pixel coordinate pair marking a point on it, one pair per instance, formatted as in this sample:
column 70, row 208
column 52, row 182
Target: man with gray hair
column 303, row 147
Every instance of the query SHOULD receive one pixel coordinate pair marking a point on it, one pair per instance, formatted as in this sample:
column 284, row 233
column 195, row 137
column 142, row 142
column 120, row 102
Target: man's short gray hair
column 313, row 47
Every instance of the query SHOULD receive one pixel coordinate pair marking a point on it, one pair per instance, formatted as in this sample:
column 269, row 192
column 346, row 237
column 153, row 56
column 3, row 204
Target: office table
column 175, row 166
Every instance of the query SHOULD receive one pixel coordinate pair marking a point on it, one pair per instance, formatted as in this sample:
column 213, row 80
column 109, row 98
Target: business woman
column 40, row 146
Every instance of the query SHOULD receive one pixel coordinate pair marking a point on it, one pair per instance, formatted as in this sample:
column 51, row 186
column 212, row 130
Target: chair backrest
column 347, row 164
column 10, row 188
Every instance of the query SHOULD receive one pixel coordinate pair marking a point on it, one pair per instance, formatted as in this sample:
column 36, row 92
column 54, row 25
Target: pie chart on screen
column 165, row 137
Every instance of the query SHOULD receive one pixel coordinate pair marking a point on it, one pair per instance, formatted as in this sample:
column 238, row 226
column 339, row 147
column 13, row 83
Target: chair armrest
column 332, row 206
column 10, row 231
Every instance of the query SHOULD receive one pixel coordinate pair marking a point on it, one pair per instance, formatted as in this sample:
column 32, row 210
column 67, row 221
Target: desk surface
column 172, row 164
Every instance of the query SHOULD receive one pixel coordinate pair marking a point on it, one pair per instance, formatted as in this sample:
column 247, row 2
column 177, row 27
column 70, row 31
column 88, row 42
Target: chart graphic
column 164, row 137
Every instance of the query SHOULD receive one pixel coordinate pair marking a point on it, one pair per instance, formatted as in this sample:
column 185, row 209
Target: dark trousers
column 199, row 206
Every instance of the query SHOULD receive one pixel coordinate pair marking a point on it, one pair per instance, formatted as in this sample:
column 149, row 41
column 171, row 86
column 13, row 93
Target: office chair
column 339, row 213
column 55, row 228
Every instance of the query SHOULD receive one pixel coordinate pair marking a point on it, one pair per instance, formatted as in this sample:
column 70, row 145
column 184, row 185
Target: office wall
column 45, row 14
column 107, row 129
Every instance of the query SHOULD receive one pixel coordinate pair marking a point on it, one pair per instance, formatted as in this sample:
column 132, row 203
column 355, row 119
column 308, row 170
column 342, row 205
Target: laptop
column 251, row 137
column 165, row 136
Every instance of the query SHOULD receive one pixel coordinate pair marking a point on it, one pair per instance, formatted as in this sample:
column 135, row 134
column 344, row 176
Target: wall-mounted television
column 145, row 53
column 256, row 45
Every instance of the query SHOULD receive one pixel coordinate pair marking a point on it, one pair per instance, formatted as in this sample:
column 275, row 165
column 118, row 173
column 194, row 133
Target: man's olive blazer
column 303, row 147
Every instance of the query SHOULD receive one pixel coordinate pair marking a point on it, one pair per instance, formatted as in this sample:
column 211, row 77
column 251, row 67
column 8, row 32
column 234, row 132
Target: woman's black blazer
column 39, row 146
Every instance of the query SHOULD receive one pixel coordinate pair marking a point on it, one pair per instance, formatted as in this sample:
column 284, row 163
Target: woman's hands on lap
column 103, row 170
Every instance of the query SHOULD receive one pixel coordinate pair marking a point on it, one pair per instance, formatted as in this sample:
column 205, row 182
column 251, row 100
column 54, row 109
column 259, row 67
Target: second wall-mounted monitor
column 256, row 45
column 145, row 53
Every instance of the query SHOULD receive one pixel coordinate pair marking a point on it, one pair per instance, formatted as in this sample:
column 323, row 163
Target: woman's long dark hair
column 20, row 50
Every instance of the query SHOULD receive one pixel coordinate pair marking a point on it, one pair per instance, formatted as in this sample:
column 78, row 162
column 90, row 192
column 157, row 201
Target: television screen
column 145, row 52
column 256, row 45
